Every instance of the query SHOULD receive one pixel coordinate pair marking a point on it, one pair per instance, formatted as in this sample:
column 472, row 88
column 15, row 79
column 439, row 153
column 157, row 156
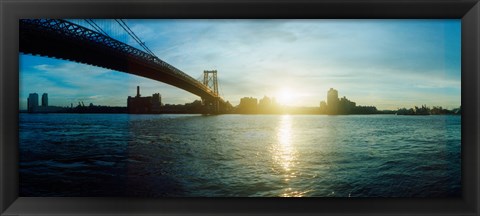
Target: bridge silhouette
column 56, row 38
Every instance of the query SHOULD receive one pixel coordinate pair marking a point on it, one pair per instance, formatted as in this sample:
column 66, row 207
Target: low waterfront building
column 346, row 106
column 248, row 105
column 139, row 104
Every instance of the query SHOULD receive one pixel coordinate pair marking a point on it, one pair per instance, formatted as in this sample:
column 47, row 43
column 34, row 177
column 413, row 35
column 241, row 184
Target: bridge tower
column 210, row 80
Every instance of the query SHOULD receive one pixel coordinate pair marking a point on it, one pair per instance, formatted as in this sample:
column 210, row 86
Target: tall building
column 44, row 100
column 138, row 104
column 32, row 102
column 34, row 107
column 332, row 101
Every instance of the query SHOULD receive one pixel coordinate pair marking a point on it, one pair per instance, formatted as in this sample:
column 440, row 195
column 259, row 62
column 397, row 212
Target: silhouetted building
column 44, row 100
column 365, row 110
column 32, row 102
column 267, row 105
column 156, row 102
column 196, row 107
column 332, row 101
column 248, row 105
column 323, row 107
column 345, row 106
column 138, row 104
column 424, row 110
column 227, row 107
column 33, row 107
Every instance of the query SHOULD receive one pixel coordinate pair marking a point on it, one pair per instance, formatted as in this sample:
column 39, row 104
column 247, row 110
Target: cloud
column 377, row 62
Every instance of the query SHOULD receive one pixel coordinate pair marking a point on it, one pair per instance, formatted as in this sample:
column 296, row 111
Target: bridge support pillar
column 211, row 106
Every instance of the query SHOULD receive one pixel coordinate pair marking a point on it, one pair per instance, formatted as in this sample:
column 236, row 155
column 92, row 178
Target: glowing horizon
column 389, row 64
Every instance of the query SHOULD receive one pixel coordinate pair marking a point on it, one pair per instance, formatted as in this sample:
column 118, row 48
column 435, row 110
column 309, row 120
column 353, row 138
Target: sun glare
column 284, row 96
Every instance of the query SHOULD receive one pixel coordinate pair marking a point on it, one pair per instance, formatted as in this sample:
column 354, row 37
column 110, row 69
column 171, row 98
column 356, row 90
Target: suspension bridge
column 62, row 39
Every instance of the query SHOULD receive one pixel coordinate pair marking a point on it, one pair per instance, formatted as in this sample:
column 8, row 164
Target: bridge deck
column 65, row 40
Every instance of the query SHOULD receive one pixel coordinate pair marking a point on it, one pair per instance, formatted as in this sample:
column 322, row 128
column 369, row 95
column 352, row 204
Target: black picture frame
column 11, row 11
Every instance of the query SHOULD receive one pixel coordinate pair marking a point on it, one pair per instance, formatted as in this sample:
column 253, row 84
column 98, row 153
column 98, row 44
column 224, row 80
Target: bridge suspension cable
column 134, row 36
column 37, row 35
column 96, row 27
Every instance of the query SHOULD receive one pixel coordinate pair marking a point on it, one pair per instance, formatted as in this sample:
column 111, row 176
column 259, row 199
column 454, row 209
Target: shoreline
column 172, row 113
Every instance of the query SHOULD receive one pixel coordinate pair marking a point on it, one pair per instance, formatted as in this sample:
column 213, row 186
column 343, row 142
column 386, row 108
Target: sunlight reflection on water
column 239, row 155
column 285, row 155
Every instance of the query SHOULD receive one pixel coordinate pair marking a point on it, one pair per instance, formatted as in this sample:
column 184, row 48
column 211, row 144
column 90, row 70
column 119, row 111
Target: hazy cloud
column 386, row 63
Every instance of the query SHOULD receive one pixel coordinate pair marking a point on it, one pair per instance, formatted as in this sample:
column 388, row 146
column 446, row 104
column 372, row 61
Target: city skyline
column 384, row 63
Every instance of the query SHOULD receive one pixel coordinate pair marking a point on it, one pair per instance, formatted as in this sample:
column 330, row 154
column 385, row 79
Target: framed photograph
column 240, row 108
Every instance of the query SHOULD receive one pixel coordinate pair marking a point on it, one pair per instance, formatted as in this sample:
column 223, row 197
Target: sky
column 389, row 64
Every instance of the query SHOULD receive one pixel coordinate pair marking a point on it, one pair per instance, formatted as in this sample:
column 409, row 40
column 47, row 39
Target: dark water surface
column 239, row 155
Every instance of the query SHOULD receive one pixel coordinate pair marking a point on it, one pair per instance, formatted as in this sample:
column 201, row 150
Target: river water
column 239, row 155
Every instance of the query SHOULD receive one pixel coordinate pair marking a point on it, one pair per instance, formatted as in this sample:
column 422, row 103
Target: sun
column 284, row 96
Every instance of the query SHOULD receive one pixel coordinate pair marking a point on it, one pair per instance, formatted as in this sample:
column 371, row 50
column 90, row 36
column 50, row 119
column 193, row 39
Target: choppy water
column 239, row 155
